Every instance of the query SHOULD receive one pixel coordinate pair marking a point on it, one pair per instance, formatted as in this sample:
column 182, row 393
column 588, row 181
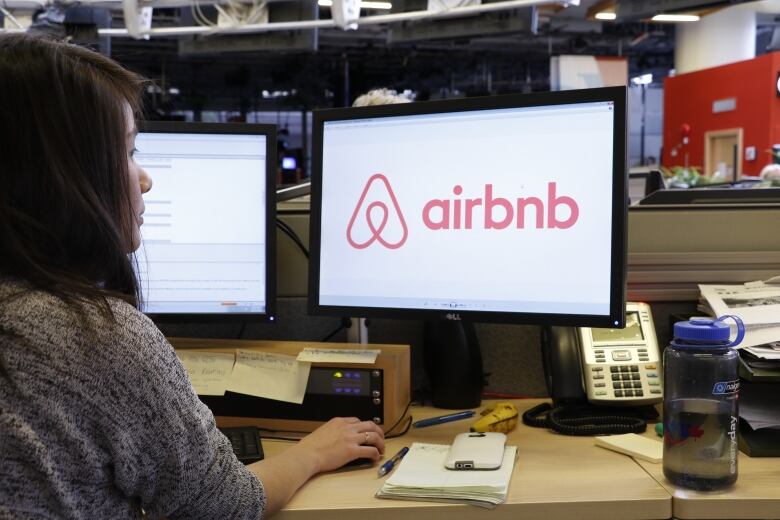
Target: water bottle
column 701, row 385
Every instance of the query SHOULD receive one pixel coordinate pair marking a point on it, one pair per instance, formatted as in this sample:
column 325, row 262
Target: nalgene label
column 726, row 387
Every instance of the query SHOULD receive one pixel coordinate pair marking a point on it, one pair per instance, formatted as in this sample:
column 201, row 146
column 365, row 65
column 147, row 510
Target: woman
column 97, row 416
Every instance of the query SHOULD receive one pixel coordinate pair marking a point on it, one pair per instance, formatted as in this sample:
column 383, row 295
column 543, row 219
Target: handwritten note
column 273, row 376
column 333, row 355
column 209, row 371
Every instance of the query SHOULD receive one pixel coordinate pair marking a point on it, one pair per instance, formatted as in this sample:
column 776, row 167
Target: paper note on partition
column 209, row 371
column 273, row 376
column 333, row 355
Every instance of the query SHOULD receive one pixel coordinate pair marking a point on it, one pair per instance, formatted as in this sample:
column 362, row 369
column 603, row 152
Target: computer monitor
column 415, row 215
column 495, row 209
column 642, row 184
column 208, row 250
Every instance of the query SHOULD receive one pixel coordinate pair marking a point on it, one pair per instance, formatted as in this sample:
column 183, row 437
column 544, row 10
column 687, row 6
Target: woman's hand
column 330, row 446
column 341, row 440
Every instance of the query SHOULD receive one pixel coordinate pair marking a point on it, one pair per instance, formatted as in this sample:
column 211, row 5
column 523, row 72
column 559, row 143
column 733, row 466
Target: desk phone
column 605, row 366
column 622, row 365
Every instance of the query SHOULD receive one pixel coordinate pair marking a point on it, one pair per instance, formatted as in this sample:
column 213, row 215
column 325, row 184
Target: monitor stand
column 358, row 331
column 453, row 364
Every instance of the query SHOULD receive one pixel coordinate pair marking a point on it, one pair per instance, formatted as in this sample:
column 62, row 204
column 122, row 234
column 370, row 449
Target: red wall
column 774, row 136
column 688, row 100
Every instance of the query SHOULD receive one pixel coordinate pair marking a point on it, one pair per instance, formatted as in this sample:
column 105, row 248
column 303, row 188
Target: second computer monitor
column 208, row 233
column 508, row 208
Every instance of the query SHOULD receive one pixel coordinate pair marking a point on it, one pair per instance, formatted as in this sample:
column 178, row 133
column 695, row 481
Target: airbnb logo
column 379, row 187
column 488, row 212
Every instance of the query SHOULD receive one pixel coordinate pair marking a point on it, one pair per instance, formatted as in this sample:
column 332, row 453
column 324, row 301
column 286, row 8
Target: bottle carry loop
column 709, row 323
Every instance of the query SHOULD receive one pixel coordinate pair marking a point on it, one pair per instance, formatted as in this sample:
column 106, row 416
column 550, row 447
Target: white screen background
column 204, row 223
column 518, row 151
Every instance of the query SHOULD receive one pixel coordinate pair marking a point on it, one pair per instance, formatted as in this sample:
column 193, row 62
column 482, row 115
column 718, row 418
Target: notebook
column 422, row 476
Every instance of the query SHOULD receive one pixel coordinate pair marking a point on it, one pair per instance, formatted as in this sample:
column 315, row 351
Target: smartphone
column 476, row 450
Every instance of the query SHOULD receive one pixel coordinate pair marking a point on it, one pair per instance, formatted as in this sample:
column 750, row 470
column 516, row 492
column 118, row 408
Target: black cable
column 345, row 324
column 583, row 420
column 399, row 434
column 240, row 334
column 287, row 230
column 406, row 429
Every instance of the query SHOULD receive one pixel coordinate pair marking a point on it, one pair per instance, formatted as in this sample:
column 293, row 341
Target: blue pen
column 443, row 419
column 388, row 466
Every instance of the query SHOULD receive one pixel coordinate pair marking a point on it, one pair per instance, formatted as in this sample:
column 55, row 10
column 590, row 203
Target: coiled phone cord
column 582, row 420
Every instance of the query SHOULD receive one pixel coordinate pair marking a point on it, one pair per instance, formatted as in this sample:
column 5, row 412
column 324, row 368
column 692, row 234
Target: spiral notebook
column 422, row 476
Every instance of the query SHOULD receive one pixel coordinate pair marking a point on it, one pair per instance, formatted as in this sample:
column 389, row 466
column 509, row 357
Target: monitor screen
column 507, row 208
column 208, row 246
column 289, row 163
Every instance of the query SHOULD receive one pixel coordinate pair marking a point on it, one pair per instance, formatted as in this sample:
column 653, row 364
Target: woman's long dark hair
column 66, row 214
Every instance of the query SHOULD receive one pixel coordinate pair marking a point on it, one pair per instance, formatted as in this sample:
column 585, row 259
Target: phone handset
column 562, row 365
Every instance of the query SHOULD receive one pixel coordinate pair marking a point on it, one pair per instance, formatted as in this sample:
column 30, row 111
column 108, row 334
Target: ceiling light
column 644, row 79
column 363, row 5
column 605, row 15
column 675, row 18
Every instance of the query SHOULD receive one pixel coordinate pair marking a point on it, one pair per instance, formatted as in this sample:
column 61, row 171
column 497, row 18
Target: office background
column 499, row 47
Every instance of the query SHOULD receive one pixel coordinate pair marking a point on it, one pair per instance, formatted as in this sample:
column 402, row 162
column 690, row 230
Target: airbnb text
column 492, row 212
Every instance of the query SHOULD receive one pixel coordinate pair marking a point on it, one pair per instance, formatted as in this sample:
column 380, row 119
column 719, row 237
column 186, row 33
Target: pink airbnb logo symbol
column 368, row 210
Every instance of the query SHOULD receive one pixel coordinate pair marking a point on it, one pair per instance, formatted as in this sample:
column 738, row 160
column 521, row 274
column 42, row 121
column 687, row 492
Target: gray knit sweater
column 102, row 425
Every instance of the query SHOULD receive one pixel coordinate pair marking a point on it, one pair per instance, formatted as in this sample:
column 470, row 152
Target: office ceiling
column 495, row 52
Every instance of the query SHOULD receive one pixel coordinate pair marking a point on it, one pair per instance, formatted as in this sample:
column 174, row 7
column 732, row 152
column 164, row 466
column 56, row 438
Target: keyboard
column 246, row 443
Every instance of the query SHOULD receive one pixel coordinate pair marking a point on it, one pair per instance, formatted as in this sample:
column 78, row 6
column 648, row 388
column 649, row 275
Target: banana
column 501, row 417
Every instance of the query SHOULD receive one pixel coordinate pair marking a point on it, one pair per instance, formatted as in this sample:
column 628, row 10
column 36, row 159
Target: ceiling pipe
column 318, row 24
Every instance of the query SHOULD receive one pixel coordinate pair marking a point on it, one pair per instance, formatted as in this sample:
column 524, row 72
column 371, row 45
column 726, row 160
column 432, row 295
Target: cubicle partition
column 671, row 249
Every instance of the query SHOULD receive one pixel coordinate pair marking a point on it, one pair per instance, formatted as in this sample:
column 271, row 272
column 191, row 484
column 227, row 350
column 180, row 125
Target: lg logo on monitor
column 386, row 224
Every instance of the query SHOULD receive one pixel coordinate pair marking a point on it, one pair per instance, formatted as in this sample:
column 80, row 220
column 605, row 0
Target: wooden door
column 723, row 152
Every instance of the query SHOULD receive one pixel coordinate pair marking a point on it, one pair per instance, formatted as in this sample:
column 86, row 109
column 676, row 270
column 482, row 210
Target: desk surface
column 756, row 493
column 554, row 477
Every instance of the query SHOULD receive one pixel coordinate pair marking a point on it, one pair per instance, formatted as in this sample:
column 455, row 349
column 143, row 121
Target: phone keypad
column 627, row 381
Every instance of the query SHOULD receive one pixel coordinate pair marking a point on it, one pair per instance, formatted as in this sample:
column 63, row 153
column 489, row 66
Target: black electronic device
column 330, row 392
column 413, row 216
column 378, row 390
column 208, row 235
column 246, row 443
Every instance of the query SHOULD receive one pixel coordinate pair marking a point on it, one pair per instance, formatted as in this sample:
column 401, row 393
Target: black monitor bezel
column 269, row 131
column 617, row 95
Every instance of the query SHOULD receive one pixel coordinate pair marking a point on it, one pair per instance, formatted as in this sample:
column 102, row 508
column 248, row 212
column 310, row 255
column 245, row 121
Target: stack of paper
column 757, row 304
column 422, row 476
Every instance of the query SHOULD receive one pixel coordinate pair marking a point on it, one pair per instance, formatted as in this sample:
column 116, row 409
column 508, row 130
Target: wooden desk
column 555, row 477
column 756, row 494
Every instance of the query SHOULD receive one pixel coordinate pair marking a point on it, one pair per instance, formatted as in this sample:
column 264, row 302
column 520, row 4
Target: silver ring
column 366, row 441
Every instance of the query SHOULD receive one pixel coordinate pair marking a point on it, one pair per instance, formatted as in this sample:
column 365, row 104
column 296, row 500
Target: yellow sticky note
column 273, row 376
column 633, row 445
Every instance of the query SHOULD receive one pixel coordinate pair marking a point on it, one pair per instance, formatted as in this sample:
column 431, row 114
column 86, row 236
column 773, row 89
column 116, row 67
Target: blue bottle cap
column 707, row 330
